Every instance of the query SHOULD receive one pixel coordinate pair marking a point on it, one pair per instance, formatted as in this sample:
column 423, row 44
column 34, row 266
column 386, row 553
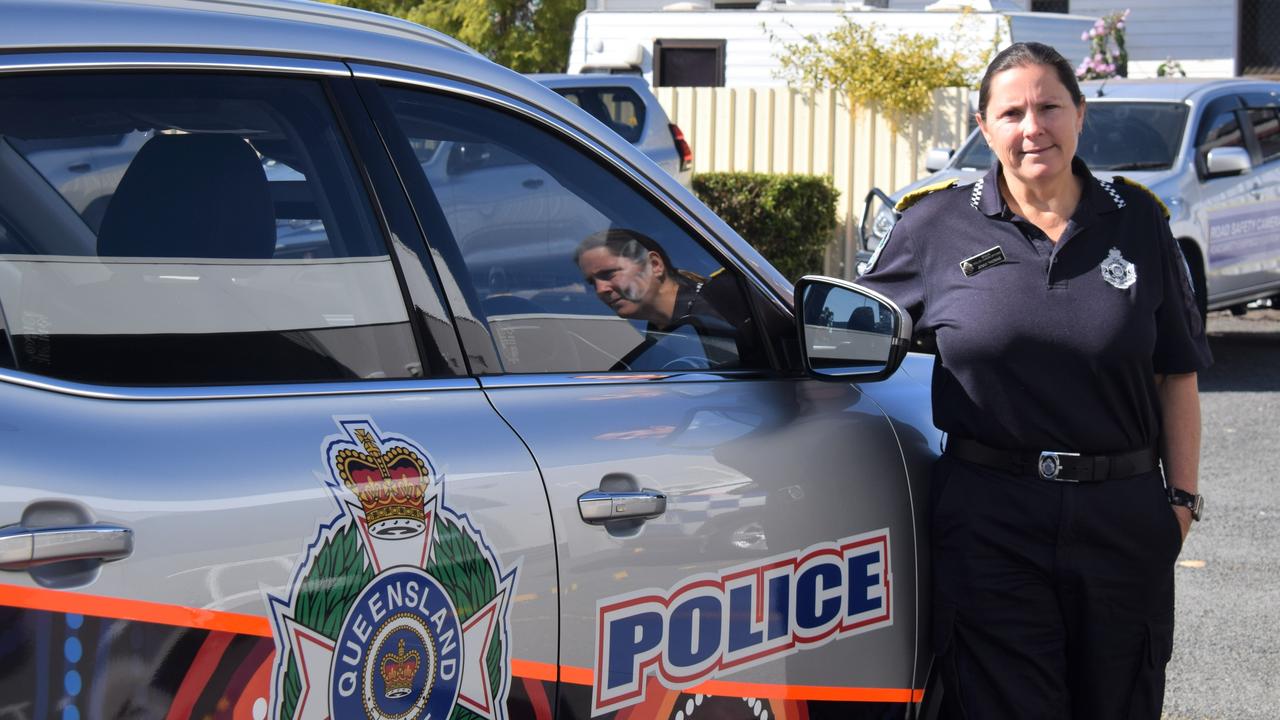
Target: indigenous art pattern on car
column 708, row 626
column 399, row 609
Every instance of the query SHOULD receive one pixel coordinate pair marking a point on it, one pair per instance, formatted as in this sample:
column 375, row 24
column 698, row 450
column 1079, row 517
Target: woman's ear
column 655, row 263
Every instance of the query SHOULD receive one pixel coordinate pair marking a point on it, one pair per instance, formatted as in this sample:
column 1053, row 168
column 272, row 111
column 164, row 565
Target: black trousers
column 1051, row 600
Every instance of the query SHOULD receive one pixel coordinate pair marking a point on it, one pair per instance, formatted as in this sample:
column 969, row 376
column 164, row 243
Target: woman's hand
column 1184, row 519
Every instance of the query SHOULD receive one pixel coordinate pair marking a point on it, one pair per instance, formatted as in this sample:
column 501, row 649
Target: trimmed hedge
column 788, row 218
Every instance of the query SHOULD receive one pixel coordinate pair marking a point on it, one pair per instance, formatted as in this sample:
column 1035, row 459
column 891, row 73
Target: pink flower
column 1084, row 35
column 1120, row 25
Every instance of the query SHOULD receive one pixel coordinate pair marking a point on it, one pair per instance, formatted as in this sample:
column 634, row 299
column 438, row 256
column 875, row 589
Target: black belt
column 1058, row 466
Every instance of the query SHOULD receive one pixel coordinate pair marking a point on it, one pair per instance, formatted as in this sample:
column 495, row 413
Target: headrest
column 201, row 196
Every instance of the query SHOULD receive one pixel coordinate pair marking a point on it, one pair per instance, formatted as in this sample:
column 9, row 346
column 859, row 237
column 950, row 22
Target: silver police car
column 1210, row 149
column 346, row 374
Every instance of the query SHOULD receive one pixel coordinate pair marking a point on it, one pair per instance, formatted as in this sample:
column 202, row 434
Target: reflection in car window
column 523, row 227
column 1222, row 131
column 1266, row 127
column 233, row 241
column 620, row 108
column 1116, row 136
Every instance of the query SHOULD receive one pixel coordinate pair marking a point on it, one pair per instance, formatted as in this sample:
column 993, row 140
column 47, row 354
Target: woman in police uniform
column 1068, row 345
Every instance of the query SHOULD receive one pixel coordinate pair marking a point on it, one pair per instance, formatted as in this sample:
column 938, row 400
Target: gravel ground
column 1226, row 661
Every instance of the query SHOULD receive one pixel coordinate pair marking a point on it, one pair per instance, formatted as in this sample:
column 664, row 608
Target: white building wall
column 750, row 51
column 1199, row 34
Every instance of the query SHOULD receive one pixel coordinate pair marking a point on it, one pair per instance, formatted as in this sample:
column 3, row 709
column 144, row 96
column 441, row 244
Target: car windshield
column 1117, row 136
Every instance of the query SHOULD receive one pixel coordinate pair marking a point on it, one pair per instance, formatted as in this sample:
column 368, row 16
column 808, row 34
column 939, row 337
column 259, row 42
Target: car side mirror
column 938, row 158
column 1225, row 161
column 848, row 332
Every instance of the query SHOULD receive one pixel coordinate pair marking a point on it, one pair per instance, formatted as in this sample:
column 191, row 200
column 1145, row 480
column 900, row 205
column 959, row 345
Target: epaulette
column 914, row 196
column 1134, row 183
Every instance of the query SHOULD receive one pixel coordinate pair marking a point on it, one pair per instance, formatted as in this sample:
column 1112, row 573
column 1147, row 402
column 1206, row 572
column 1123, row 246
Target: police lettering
column 709, row 626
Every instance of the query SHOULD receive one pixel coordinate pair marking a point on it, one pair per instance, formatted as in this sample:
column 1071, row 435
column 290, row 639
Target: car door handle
column 533, row 183
column 598, row 507
column 24, row 547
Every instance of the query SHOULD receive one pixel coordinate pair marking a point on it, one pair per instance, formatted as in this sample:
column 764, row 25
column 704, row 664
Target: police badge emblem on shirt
column 1118, row 272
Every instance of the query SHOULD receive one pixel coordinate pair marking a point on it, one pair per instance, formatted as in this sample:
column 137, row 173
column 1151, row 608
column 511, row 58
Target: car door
column 1231, row 206
column 1258, row 265
column 241, row 480
column 733, row 540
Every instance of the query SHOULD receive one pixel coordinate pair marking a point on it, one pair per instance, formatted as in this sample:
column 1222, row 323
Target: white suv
column 627, row 105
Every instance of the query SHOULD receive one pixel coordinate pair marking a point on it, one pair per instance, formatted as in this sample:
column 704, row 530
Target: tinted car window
column 619, row 108
column 1116, row 136
column 191, row 230
column 533, row 235
column 1223, row 130
column 1266, row 127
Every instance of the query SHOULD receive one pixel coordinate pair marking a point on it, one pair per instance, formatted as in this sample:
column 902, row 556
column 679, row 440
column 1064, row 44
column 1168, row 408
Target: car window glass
column 619, row 108
column 1116, row 136
column 976, row 155
column 574, row 268
column 1222, row 131
column 190, row 229
column 1132, row 136
column 1266, row 127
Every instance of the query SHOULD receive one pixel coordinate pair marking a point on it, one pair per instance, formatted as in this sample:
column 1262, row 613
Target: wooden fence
column 777, row 130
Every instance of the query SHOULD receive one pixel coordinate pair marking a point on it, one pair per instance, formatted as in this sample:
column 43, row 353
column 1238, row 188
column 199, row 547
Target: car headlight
column 881, row 223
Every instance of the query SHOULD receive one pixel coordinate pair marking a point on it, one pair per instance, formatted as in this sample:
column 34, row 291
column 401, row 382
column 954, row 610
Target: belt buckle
column 1050, row 465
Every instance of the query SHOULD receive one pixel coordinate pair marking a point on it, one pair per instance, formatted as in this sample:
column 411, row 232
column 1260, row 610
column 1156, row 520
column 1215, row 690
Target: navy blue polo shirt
column 1057, row 347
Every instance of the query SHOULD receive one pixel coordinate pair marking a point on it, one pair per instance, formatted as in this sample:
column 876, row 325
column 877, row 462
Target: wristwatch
column 1191, row 501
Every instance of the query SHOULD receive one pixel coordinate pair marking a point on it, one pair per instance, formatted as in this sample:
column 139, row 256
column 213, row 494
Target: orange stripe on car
column 585, row 676
column 140, row 610
column 143, row 611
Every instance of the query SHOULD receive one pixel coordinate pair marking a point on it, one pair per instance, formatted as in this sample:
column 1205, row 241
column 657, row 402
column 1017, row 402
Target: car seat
column 191, row 196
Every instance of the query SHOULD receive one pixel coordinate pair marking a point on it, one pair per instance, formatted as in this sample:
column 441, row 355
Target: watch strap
column 1191, row 501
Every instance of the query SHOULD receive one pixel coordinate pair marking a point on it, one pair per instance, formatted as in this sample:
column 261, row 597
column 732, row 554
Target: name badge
column 983, row 260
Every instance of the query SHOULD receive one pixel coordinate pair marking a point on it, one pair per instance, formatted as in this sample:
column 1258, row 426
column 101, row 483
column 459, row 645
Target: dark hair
column 1023, row 54
column 630, row 244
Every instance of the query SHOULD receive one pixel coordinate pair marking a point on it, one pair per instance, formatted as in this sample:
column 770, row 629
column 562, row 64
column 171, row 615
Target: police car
column 1210, row 149
column 411, row 466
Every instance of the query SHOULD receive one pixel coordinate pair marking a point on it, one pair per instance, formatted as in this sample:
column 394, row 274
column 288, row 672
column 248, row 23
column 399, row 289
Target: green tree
column 897, row 73
column 524, row 35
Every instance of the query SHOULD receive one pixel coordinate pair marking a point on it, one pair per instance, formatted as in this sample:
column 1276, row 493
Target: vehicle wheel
column 1195, row 264
column 1239, row 310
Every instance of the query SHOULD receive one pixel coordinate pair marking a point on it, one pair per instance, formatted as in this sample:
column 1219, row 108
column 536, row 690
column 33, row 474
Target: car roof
column 300, row 27
column 1172, row 89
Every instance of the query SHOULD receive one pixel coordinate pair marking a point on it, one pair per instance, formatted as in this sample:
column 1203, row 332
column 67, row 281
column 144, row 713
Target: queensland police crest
column 1118, row 272
column 399, row 609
